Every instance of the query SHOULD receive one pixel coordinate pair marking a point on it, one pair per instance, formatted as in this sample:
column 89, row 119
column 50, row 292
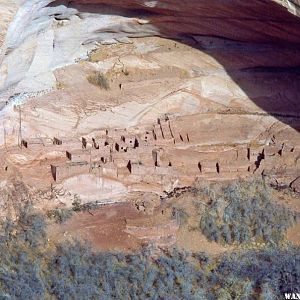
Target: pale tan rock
column 206, row 108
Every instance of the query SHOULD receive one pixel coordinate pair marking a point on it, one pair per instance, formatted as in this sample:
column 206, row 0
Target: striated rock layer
column 222, row 78
column 45, row 35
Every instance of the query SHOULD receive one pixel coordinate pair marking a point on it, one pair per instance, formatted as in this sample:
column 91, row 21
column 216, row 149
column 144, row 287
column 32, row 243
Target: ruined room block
column 123, row 156
column 201, row 156
column 145, row 139
column 37, row 143
column 101, row 133
column 132, row 179
column 79, row 155
column 265, row 167
column 243, row 154
column 123, row 172
column 228, row 156
column 157, row 132
column 110, row 170
column 180, row 134
column 253, row 168
column 155, row 156
column 227, row 168
column 61, row 172
column 272, row 150
column 120, row 146
column 189, row 169
column 226, row 176
column 164, row 142
column 242, row 165
column 290, row 171
column 210, row 167
column 178, row 161
column 32, row 142
column 120, row 162
column 143, row 143
column 142, row 150
column 288, row 148
column 243, row 169
column 243, row 161
column 166, row 132
column 146, row 159
column 134, row 156
column 162, row 119
column 87, row 143
column 182, row 137
column 96, row 169
column 103, row 151
column 138, row 169
column 296, row 152
column 283, row 182
column 295, row 185
column 116, row 133
column 100, row 142
column 268, row 171
column 135, row 160
column 57, row 141
column 164, row 171
column 256, row 154
column 160, row 158
column 130, row 141
column 47, row 142
column 96, row 164
column 100, row 156
column 84, row 142
column 152, row 178
column 290, row 152
column 67, row 143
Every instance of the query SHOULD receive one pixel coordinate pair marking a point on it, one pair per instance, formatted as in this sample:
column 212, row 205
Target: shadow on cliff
column 257, row 42
column 269, row 74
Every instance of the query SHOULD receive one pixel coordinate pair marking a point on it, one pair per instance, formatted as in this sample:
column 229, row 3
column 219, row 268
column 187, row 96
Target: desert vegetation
column 180, row 215
column 245, row 211
column 98, row 79
column 31, row 268
column 241, row 212
column 62, row 215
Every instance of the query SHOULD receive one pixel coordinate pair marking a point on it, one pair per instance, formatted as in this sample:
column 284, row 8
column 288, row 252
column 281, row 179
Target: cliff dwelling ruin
column 132, row 100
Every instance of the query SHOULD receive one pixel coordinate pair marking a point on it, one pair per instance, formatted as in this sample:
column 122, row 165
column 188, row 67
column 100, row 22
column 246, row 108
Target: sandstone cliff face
column 223, row 75
column 291, row 5
column 45, row 35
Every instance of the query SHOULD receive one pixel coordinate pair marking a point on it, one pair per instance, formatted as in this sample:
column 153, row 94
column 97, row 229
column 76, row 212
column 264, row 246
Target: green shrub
column 244, row 211
column 60, row 215
column 98, row 79
column 30, row 268
column 76, row 204
column 180, row 215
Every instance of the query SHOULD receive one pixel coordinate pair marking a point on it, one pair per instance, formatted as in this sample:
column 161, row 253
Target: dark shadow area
column 257, row 42
column 268, row 74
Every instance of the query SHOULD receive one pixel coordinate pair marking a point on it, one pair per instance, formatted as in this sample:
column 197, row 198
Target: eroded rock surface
column 214, row 96
column 45, row 35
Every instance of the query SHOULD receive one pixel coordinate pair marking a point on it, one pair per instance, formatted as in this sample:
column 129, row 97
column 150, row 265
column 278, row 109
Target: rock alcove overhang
column 45, row 35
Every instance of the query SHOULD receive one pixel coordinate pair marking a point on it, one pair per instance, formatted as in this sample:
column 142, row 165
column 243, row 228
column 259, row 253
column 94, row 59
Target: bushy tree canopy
column 30, row 269
column 243, row 211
